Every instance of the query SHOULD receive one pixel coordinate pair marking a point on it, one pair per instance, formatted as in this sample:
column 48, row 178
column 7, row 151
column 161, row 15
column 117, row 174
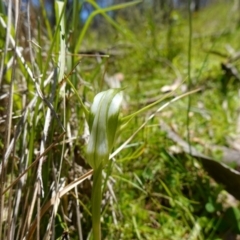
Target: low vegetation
column 171, row 174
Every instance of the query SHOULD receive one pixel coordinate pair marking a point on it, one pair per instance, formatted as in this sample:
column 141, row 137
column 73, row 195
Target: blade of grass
column 149, row 118
column 60, row 47
column 103, row 12
column 34, row 163
column 8, row 123
column 189, row 72
column 52, row 201
column 2, row 178
column 46, row 19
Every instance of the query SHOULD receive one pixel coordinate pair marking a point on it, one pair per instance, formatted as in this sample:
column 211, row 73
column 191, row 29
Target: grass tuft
column 153, row 188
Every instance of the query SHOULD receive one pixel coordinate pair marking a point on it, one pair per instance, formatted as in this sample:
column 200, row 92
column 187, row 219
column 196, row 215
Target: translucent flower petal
column 103, row 124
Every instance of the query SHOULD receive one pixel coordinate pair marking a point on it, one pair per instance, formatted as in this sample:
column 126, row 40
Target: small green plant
column 104, row 122
column 151, row 193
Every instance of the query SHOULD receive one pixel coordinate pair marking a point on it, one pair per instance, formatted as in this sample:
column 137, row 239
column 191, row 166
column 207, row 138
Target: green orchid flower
column 103, row 124
column 103, row 120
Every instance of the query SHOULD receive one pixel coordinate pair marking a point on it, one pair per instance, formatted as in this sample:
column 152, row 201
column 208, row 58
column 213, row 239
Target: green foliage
column 151, row 189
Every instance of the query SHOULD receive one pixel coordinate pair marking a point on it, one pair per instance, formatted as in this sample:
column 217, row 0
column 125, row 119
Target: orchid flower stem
column 96, row 202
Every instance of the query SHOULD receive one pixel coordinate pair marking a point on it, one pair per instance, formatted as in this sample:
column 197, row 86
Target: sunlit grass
column 153, row 191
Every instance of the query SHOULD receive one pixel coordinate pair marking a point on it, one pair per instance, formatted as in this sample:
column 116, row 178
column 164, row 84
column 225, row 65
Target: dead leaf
column 220, row 172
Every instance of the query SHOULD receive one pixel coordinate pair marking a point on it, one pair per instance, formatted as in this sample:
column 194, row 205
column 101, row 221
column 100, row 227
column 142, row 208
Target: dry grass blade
column 59, row 75
column 79, row 226
column 8, row 123
column 18, row 131
column 47, row 123
column 53, row 201
column 34, row 163
column 31, row 75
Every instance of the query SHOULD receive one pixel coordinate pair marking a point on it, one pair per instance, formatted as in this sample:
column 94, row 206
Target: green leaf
column 103, row 123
